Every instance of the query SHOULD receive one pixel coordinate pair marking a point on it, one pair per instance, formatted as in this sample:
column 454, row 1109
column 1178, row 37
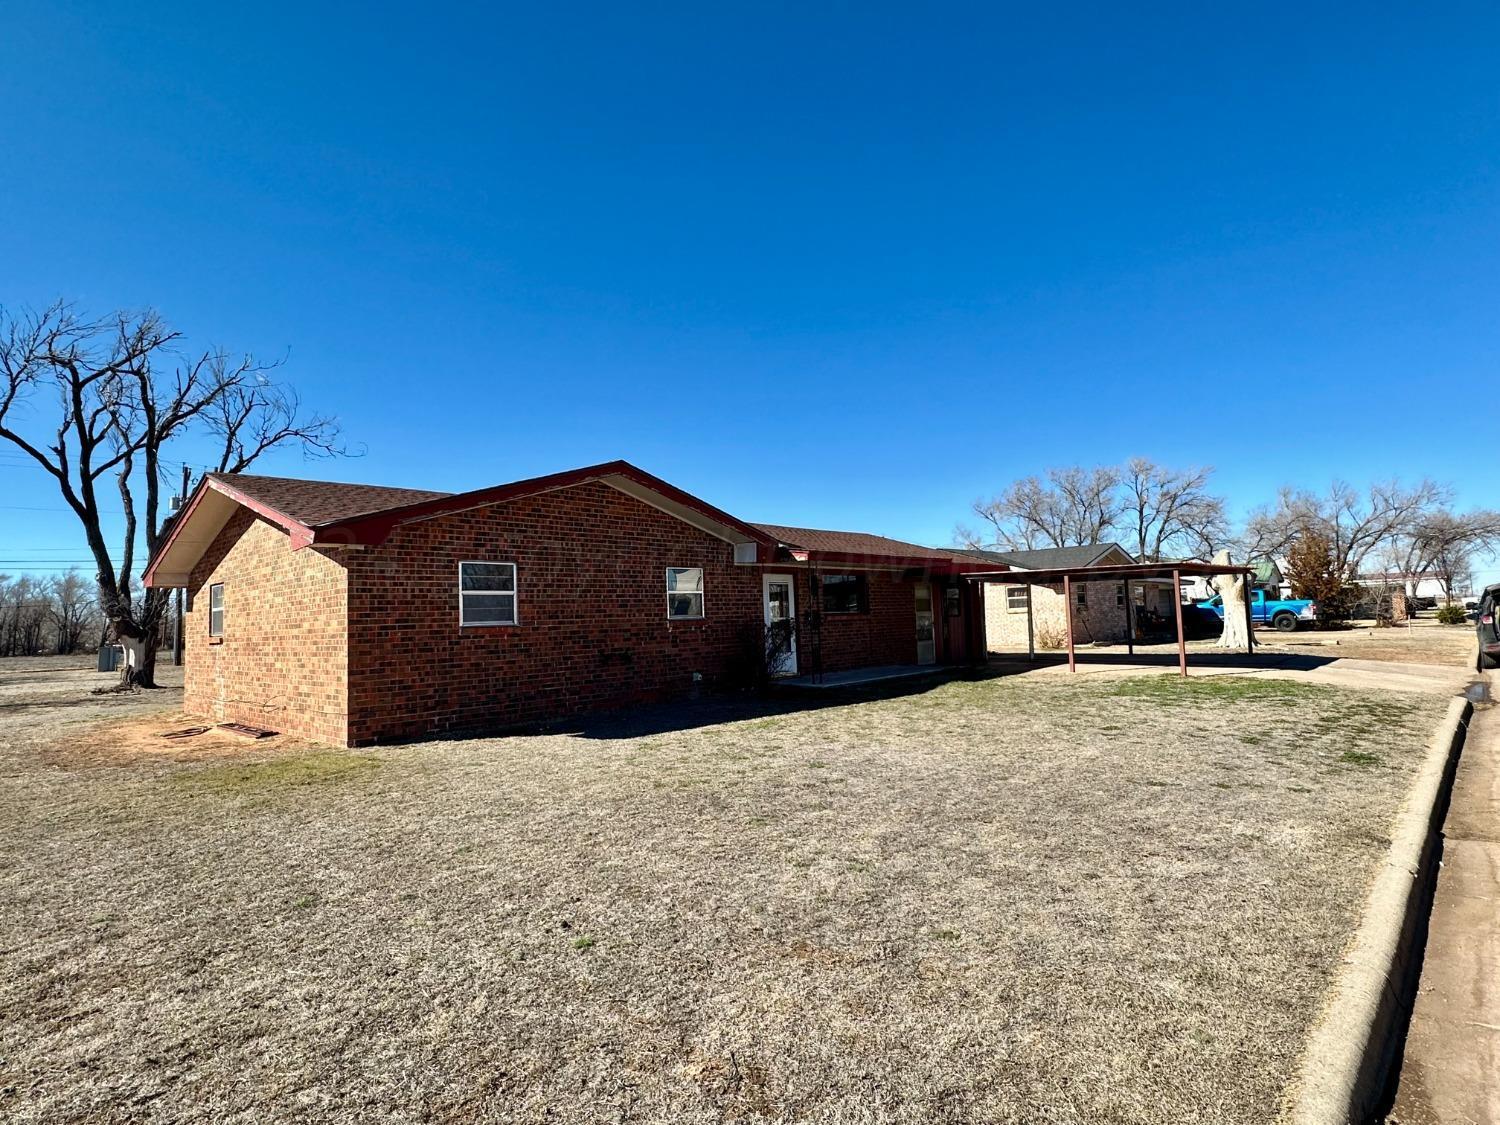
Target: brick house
column 1099, row 608
column 353, row 614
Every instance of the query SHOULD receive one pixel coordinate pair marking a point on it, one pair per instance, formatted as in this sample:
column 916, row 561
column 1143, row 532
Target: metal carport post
column 1181, row 636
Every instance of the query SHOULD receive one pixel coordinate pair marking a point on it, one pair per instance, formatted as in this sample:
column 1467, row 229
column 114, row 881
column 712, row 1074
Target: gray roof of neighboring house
column 1049, row 558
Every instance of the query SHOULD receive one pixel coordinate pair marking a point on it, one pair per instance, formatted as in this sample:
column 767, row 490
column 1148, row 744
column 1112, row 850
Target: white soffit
column 193, row 538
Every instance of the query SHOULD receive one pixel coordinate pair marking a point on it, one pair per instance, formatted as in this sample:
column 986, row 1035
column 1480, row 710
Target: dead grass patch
column 137, row 739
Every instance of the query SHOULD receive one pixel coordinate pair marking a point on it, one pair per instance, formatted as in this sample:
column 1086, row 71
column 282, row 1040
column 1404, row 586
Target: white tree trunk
column 135, row 659
column 1231, row 587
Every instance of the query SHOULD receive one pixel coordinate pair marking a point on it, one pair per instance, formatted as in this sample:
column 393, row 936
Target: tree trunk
column 140, row 644
column 1231, row 587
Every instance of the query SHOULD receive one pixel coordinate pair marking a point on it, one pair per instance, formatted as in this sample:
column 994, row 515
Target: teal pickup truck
column 1282, row 615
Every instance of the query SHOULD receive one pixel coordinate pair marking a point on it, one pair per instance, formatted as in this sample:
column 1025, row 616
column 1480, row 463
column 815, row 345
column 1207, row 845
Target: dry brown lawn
column 1424, row 641
column 997, row 901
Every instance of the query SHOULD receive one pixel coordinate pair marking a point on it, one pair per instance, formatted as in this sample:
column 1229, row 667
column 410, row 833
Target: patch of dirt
column 131, row 741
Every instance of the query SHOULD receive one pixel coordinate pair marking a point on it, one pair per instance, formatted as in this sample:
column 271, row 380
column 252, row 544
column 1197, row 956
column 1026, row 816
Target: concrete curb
column 1349, row 1056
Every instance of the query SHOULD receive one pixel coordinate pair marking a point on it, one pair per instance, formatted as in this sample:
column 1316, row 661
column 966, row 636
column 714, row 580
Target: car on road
column 1486, row 628
column 1283, row 614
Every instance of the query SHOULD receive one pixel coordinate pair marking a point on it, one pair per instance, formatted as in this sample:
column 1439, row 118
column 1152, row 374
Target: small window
column 216, row 610
column 846, row 593
column 486, row 593
column 1015, row 598
column 952, row 603
column 1120, row 594
column 1081, row 596
column 684, row 592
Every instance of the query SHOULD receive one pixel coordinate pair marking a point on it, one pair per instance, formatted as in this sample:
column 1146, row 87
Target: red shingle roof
column 318, row 504
column 852, row 543
column 315, row 502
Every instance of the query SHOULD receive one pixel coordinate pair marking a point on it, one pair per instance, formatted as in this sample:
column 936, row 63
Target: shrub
column 1051, row 636
column 1316, row 574
column 1451, row 613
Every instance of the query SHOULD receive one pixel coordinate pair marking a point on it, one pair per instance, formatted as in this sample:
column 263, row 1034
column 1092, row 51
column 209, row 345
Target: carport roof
column 1104, row 573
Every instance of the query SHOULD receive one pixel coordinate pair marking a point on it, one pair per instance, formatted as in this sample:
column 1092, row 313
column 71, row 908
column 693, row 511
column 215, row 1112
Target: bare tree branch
column 122, row 393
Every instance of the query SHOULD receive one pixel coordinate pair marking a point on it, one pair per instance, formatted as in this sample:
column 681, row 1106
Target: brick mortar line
column 1352, row 1047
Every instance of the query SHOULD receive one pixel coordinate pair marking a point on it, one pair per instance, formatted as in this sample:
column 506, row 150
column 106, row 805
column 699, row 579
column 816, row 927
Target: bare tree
column 73, row 605
column 1158, row 511
column 123, row 388
column 1445, row 544
column 23, row 616
column 1354, row 524
column 1074, row 507
column 1170, row 512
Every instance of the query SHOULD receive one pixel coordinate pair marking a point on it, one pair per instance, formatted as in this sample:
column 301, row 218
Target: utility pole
column 187, row 475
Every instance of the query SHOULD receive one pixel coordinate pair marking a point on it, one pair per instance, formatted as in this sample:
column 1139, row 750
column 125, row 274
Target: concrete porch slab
column 858, row 677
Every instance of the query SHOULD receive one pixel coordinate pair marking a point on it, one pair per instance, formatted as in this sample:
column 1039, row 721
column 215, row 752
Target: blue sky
column 836, row 265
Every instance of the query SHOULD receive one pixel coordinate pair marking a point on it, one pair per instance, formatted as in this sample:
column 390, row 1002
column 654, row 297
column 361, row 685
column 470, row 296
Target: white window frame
column 702, row 593
column 212, row 632
column 1119, row 595
column 1010, row 592
column 1081, row 596
column 514, row 592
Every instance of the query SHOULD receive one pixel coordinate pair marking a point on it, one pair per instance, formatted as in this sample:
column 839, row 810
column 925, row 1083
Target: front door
column 781, row 625
column 926, row 637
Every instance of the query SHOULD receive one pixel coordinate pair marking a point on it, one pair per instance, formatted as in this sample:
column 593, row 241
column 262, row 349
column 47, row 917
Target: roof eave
column 166, row 570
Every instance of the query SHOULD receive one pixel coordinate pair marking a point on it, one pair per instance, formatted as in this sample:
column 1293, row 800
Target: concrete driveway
column 1337, row 671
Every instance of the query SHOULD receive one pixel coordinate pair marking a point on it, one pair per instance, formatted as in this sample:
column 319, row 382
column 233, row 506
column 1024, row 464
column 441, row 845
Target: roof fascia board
column 149, row 575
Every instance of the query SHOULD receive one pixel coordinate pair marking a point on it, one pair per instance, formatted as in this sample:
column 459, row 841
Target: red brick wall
column 885, row 635
column 282, row 661
column 593, row 632
column 591, row 573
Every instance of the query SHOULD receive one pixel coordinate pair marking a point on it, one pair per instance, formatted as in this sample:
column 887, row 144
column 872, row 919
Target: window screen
column 486, row 593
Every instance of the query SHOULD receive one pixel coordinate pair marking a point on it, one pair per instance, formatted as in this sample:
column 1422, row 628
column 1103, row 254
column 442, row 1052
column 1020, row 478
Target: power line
column 25, row 508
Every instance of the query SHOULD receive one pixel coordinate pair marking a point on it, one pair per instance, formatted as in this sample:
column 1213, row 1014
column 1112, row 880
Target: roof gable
column 335, row 514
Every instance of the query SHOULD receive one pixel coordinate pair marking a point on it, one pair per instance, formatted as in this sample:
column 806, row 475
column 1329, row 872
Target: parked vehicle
column 1281, row 614
column 1488, row 631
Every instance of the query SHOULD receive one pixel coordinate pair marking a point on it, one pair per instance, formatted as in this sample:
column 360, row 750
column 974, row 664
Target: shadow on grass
column 714, row 709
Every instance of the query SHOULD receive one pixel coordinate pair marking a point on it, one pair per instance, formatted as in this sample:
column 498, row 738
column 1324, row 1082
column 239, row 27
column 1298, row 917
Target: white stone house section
column 1098, row 608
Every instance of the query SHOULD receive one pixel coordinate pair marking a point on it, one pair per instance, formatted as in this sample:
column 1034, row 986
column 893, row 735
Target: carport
column 1064, row 577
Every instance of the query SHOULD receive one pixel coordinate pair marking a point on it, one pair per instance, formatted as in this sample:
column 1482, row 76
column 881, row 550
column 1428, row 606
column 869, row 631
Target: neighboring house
column 1423, row 585
column 352, row 613
column 1268, row 577
column 1098, row 609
